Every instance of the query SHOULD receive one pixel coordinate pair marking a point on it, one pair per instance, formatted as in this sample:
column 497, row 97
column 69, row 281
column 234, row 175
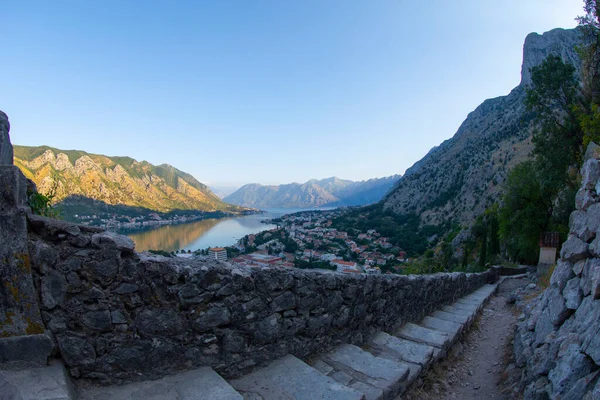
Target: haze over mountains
column 461, row 177
column 330, row 192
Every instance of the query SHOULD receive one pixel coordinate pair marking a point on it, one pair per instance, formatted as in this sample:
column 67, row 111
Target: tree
column 492, row 216
column 526, row 212
column 483, row 248
column 556, row 99
column 539, row 194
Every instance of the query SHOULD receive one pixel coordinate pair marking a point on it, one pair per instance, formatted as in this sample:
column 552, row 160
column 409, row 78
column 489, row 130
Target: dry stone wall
column 119, row 316
column 557, row 342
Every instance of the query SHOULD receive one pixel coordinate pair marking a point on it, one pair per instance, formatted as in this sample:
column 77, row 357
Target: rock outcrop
column 557, row 341
column 461, row 177
column 6, row 149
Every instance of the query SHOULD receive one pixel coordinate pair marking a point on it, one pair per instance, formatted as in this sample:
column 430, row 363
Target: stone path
column 382, row 369
column 475, row 368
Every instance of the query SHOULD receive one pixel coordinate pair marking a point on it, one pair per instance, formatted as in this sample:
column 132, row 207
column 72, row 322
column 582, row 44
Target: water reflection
column 202, row 234
column 199, row 234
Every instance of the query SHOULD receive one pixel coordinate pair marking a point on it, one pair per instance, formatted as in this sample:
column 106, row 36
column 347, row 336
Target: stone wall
column 19, row 314
column 557, row 342
column 117, row 315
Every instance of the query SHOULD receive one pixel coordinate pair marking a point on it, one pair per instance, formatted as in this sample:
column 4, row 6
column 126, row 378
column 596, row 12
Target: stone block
column 202, row 383
column 112, row 239
column 18, row 297
column 593, row 218
column 582, row 386
column 592, row 151
column 32, row 348
column 578, row 267
column 589, row 270
column 455, row 315
column 426, row 336
column 573, row 294
column 405, row 350
column 538, row 390
column 363, row 366
column 13, row 189
column 571, row 366
column 42, row 383
column 590, row 173
column 595, row 247
column 584, row 198
column 290, row 378
column 574, row 249
column 557, row 309
column 578, row 223
column 450, row 327
column 76, row 350
column 543, row 327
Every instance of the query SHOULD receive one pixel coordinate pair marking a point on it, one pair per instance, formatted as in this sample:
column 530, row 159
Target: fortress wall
column 119, row 316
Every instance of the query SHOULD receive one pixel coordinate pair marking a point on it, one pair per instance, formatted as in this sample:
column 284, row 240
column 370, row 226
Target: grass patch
column 544, row 280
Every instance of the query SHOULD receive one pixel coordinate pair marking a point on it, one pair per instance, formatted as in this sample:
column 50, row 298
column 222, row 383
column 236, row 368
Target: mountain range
column 460, row 178
column 330, row 192
column 115, row 180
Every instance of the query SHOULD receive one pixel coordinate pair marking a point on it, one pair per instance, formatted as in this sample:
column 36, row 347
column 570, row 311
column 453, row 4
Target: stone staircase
column 382, row 369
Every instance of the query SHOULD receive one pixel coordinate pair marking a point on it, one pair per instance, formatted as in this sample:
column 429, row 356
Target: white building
column 218, row 253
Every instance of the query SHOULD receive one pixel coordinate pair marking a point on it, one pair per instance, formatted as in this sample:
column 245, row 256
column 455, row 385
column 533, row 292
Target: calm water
column 202, row 234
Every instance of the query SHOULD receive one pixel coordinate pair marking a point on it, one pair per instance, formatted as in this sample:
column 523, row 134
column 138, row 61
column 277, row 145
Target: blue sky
column 262, row 91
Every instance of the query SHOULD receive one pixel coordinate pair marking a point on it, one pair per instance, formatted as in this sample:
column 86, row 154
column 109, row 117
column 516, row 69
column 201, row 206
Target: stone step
column 465, row 306
column 29, row 381
column 376, row 377
column 474, row 304
column 453, row 314
column 405, row 350
column 290, row 378
column 427, row 336
column 202, row 383
column 450, row 327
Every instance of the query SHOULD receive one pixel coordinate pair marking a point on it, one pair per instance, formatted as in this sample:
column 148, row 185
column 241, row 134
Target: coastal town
column 308, row 240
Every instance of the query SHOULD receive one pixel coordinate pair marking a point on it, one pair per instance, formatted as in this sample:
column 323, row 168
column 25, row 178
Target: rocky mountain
column 460, row 178
column 330, row 192
column 115, row 180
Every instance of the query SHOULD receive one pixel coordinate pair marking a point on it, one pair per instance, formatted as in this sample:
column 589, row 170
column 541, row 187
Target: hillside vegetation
column 115, row 180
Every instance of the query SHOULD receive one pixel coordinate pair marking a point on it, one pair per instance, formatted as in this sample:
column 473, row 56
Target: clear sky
column 267, row 91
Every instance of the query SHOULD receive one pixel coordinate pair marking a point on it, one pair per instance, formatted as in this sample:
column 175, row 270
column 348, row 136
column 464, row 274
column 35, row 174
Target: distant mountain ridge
column 115, row 180
column 330, row 192
column 460, row 178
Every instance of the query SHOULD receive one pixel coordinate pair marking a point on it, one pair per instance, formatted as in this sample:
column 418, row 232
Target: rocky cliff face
column 115, row 180
column 6, row 150
column 557, row 342
column 463, row 176
column 330, row 192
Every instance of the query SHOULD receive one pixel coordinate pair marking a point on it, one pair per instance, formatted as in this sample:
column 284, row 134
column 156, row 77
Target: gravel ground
column 475, row 364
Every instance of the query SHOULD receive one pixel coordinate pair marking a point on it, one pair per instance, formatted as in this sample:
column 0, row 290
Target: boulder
column 574, row 249
column 590, row 174
column 573, row 294
column 121, row 242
